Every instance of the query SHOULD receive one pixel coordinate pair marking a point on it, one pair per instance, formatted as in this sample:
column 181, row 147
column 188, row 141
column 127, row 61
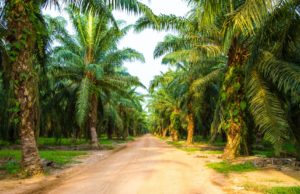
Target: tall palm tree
column 91, row 59
column 273, row 75
column 242, row 21
column 24, row 20
column 25, row 34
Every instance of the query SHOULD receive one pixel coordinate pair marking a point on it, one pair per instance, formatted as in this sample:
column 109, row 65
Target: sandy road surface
column 146, row 166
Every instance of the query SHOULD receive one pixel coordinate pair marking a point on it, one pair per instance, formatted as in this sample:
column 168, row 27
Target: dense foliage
column 234, row 74
column 234, row 71
column 57, row 84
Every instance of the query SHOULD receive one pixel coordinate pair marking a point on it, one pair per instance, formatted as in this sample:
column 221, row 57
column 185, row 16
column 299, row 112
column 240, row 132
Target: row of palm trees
column 235, row 70
column 54, row 83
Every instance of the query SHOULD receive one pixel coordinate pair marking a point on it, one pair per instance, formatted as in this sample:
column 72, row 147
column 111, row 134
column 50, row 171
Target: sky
column 145, row 41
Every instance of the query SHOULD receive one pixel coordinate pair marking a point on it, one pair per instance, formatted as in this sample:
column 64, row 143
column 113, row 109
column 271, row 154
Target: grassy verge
column 213, row 152
column 181, row 145
column 103, row 140
column 264, row 153
column 177, row 144
column 10, row 159
column 283, row 190
column 272, row 190
column 192, row 148
column 45, row 141
column 110, row 143
column 4, row 143
column 226, row 167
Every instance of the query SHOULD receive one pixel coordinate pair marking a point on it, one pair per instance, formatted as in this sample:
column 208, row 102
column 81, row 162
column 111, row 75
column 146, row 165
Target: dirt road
column 146, row 166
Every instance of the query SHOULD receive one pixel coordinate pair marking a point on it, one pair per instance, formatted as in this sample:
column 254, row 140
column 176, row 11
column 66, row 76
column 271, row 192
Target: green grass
column 106, row 141
column 11, row 167
column 226, row 167
column 71, row 142
column 283, row 190
column 255, row 187
column 130, row 138
column 162, row 138
column 4, row 143
column 181, row 145
column 13, row 154
column 219, row 142
column 264, row 153
column 61, row 157
column 273, row 190
column 213, row 152
column 177, row 144
column 45, row 141
column 190, row 149
column 13, row 157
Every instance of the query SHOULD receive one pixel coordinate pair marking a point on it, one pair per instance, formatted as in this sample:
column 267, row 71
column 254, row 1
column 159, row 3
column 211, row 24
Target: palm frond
column 83, row 101
column 285, row 75
column 200, row 83
column 267, row 111
column 161, row 22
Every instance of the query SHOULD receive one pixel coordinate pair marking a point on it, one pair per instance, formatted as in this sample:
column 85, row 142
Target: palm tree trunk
column 109, row 129
column 164, row 132
column 126, row 133
column 233, row 100
column 174, row 135
column 93, row 121
column 22, row 42
column 126, row 130
column 134, row 128
column 190, row 129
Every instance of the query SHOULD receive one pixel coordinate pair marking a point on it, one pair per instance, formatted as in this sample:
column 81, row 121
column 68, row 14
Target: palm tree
column 25, row 21
column 165, row 106
column 242, row 21
column 273, row 76
column 193, row 61
column 195, row 73
column 25, row 35
column 92, row 60
column 123, row 114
